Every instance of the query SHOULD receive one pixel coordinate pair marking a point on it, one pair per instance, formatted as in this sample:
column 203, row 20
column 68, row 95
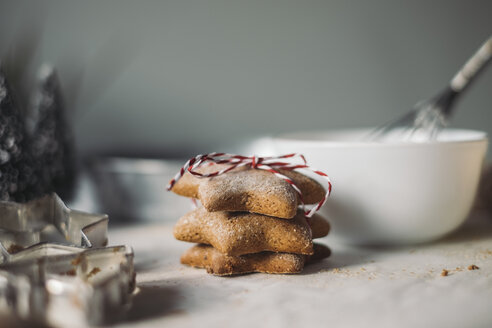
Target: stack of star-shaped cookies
column 250, row 222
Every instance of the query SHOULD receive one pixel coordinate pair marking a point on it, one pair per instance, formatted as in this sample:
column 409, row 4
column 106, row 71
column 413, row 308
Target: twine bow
column 271, row 164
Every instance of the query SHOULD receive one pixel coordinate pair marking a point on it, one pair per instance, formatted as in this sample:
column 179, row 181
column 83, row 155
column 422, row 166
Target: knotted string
column 271, row 164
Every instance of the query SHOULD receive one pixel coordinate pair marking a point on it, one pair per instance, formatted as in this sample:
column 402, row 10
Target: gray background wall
column 163, row 77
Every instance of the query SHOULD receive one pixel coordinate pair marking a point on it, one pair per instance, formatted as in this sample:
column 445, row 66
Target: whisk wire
column 426, row 120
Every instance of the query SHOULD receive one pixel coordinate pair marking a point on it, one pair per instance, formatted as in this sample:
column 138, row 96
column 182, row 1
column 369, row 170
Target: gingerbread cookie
column 238, row 233
column 204, row 256
column 251, row 190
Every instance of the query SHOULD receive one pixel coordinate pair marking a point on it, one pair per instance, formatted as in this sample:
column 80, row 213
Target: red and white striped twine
column 270, row 164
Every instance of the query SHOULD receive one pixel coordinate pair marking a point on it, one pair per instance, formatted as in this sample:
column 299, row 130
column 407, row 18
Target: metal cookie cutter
column 66, row 286
column 47, row 219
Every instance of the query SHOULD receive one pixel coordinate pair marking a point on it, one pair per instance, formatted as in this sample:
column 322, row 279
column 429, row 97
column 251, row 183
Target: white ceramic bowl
column 393, row 193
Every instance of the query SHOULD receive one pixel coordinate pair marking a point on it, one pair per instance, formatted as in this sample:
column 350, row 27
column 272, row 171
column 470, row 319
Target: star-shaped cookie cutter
column 48, row 219
column 67, row 286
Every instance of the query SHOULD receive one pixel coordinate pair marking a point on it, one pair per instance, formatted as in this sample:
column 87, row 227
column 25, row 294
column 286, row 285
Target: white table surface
column 355, row 287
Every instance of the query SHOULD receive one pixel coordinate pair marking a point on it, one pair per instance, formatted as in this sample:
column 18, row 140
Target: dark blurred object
column 42, row 161
column 38, row 149
column 134, row 189
column 51, row 141
column 484, row 194
column 15, row 175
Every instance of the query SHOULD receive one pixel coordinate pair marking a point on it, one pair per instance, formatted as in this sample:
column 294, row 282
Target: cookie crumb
column 68, row 273
column 444, row 273
column 14, row 248
column 93, row 272
column 473, row 267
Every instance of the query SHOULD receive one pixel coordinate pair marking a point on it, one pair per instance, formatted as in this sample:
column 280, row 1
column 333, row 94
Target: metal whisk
column 429, row 117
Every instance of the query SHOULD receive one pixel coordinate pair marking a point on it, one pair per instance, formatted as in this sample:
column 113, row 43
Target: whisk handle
column 474, row 65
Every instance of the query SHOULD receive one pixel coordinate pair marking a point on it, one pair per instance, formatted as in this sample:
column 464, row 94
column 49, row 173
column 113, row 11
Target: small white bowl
column 393, row 193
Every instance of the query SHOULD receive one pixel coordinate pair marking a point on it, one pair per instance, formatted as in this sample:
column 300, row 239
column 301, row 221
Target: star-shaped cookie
column 238, row 233
column 217, row 263
column 251, row 190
